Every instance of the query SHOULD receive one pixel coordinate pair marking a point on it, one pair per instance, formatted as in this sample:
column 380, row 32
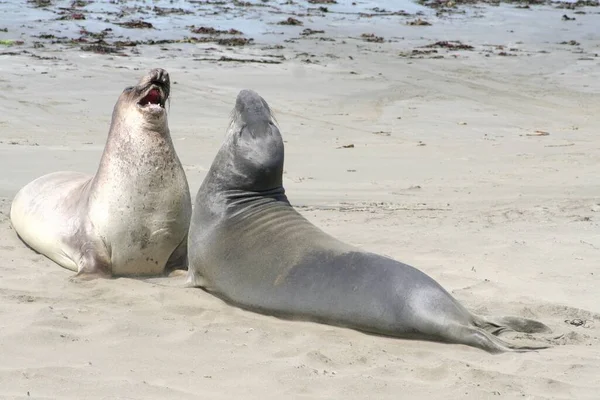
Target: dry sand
column 443, row 175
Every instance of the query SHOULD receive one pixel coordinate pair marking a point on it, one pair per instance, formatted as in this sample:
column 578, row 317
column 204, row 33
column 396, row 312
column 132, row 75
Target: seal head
column 253, row 147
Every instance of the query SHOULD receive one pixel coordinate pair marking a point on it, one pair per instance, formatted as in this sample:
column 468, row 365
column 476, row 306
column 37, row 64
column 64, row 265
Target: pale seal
column 249, row 246
column 129, row 219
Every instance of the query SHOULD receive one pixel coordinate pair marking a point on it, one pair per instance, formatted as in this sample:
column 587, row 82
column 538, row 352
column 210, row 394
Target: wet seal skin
column 131, row 218
column 249, row 246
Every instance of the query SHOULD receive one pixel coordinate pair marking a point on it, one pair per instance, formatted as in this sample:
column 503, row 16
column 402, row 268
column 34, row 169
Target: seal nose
column 252, row 109
column 159, row 75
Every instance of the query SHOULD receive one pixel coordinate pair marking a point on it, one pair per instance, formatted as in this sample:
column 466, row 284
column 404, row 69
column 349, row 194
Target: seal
column 248, row 246
column 130, row 218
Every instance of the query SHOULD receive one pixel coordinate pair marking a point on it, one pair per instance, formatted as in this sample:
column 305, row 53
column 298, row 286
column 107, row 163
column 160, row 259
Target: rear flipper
column 481, row 339
column 499, row 325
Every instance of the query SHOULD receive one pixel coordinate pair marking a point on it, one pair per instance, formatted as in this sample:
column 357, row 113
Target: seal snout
column 251, row 108
column 156, row 87
column 159, row 77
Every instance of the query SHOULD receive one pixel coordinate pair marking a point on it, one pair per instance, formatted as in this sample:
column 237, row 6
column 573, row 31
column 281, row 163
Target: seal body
column 132, row 216
column 249, row 246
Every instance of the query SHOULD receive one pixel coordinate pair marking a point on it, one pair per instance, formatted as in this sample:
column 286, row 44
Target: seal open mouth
column 153, row 97
column 154, row 100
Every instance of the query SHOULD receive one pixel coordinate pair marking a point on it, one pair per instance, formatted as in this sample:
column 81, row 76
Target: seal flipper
column 498, row 325
column 477, row 337
column 94, row 261
column 178, row 261
column 195, row 280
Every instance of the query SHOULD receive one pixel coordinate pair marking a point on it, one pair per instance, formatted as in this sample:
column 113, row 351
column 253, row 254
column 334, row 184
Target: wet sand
column 474, row 157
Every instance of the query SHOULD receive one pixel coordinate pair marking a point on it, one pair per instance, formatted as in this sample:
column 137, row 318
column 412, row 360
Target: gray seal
column 130, row 218
column 248, row 246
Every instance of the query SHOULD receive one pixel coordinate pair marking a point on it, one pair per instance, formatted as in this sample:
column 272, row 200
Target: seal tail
column 480, row 338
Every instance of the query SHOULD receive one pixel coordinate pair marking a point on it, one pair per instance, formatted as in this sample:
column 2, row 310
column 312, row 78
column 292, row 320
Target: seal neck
column 239, row 197
column 140, row 151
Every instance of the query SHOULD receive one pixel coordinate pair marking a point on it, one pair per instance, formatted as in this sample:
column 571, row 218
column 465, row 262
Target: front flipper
column 195, row 280
column 94, row 261
column 178, row 262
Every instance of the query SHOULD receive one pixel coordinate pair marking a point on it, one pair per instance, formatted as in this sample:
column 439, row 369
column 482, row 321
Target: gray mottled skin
column 250, row 247
column 132, row 216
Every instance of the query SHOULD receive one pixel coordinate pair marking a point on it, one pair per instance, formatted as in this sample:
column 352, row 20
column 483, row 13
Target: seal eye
column 129, row 88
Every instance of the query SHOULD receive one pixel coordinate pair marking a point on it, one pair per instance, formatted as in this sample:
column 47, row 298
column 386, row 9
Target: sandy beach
column 468, row 148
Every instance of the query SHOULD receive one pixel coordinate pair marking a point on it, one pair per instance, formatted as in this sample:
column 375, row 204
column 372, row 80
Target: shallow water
column 259, row 20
